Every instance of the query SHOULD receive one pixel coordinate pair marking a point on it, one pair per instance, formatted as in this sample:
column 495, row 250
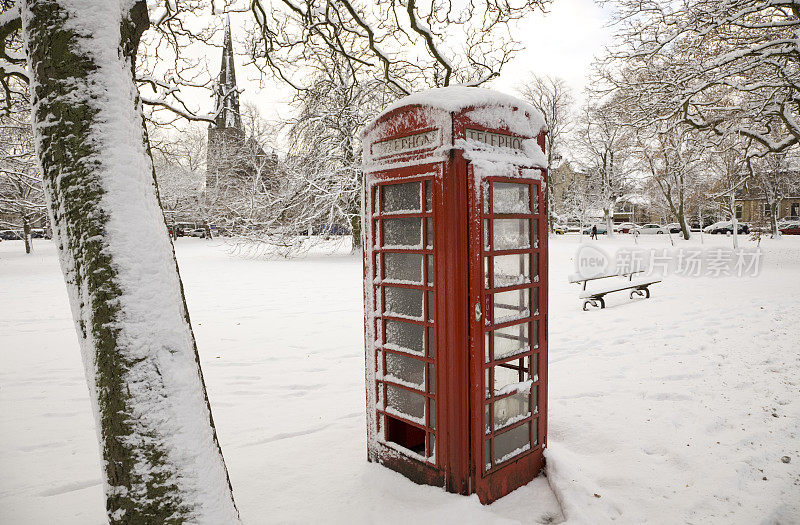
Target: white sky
column 561, row 43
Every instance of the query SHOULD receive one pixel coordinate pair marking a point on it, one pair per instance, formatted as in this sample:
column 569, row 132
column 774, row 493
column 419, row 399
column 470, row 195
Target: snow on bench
column 595, row 297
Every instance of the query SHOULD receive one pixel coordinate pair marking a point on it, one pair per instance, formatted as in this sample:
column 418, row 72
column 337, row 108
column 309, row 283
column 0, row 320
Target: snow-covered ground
column 675, row 409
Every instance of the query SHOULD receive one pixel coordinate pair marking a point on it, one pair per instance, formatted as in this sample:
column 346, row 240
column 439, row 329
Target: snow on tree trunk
column 161, row 459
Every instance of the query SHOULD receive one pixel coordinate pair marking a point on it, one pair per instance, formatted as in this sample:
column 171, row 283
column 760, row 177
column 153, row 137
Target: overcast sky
column 561, row 43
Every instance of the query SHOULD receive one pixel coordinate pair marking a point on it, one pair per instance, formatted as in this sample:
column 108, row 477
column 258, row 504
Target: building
column 231, row 156
column 752, row 206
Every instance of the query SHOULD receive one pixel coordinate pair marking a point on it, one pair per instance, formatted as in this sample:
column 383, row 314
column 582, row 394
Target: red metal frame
column 454, row 446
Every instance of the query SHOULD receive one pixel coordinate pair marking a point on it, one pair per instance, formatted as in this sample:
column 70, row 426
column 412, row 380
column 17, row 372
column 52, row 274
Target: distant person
column 594, row 232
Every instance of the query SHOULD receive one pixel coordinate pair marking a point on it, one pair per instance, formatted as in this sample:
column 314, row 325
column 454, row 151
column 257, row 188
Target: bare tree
column 553, row 98
column 22, row 199
column 406, row 45
column 603, row 143
column 732, row 64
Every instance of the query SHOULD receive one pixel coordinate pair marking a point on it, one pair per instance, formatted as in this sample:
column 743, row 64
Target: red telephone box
column 455, row 290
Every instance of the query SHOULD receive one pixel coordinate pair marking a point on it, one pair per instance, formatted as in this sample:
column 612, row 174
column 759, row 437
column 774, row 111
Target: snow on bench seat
column 623, row 285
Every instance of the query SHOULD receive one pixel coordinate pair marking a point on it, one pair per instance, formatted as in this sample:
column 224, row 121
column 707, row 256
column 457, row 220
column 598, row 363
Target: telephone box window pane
column 431, row 378
column 486, row 283
column 514, row 304
column 510, row 234
column 401, row 197
column 488, row 453
column 486, row 346
column 510, row 197
column 511, row 409
column 535, row 334
column 404, row 336
column 536, row 301
column 429, row 232
column 535, row 233
column 431, row 306
column 511, row 340
column 510, row 270
column 507, row 379
column 486, row 244
column 431, row 445
column 403, row 267
column 406, row 370
column 535, row 268
column 429, row 259
column 535, row 367
column 487, row 423
column 431, row 343
column 512, row 443
column 432, row 412
column 406, row 232
column 406, row 402
column 428, row 196
column 405, row 302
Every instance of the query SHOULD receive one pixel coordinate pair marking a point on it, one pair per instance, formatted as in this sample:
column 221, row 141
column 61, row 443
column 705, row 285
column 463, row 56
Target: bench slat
column 621, row 286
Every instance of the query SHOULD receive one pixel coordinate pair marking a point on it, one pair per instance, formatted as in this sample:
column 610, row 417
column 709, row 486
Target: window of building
column 766, row 209
column 738, row 211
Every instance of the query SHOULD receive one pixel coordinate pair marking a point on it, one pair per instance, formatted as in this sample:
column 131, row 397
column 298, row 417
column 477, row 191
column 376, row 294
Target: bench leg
column 641, row 292
column 594, row 301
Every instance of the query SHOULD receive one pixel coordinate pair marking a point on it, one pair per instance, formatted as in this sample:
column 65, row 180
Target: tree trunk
column 161, row 458
column 26, row 233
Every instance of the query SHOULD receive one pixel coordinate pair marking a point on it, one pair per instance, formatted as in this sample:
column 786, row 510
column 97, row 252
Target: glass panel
column 535, row 367
column 431, row 378
column 432, row 413
column 429, row 232
column 401, row 197
column 403, row 301
column 535, row 338
column 486, row 419
column 379, row 362
column 430, row 268
column 403, row 267
column 486, row 283
column 486, row 244
column 511, row 340
column 535, row 233
column 510, row 197
column 378, row 331
column 488, row 453
column 536, row 198
column 377, row 265
column 404, row 336
column 428, row 196
column 431, row 306
column 510, row 270
column 406, row 369
column 403, row 232
column 405, row 402
column 514, row 304
column 511, row 409
column 486, row 347
column 376, row 227
column 509, row 444
column 486, row 383
column 535, row 399
column 535, row 304
column 505, row 377
column 431, row 445
column 535, row 267
column 509, row 234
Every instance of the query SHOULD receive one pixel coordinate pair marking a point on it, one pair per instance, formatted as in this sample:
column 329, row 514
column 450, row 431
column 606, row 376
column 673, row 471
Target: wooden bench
column 637, row 287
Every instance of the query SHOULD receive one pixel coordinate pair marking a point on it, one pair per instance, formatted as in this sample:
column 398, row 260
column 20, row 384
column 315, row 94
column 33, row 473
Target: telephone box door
column 508, row 357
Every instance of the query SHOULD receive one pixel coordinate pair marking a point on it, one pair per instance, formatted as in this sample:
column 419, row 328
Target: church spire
column 229, row 117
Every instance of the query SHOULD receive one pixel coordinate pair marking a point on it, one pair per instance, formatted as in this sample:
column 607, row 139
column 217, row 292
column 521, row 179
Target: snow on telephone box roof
column 518, row 125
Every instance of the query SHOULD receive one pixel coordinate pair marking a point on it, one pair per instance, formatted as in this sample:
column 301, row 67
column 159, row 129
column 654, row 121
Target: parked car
column 559, row 229
column 790, row 228
column 627, row 227
column 725, row 227
column 601, row 229
column 39, row 233
column 791, row 219
column 197, row 232
column 674, row 227
column 10, row 235
column 651, row 229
